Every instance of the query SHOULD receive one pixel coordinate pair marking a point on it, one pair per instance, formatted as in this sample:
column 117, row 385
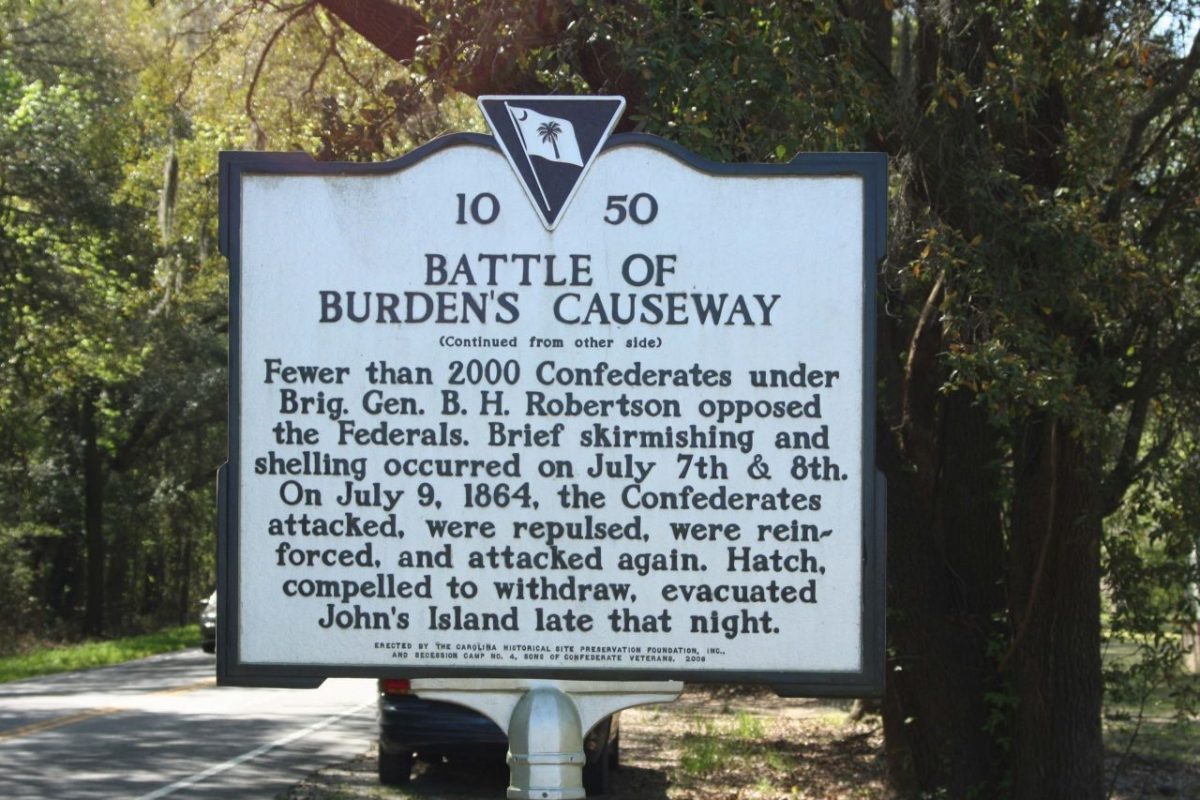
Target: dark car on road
column 208, row 625
column 411, row 727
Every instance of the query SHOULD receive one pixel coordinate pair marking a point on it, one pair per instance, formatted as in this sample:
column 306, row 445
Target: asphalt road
column 161, row 728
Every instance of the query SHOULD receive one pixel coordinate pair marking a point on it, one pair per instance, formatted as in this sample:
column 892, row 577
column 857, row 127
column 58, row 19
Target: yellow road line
column 57, row 722
column 71, row 719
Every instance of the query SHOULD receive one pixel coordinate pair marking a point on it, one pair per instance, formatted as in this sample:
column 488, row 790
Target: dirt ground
column 719, row 743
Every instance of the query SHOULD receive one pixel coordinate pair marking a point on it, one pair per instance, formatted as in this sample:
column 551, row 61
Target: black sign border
column 867, row 681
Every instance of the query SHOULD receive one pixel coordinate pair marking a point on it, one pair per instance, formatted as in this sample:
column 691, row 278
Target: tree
column 1058, row 337
column 63, row 243
column 1038, row 346
column 550, row 131
column 106, row 333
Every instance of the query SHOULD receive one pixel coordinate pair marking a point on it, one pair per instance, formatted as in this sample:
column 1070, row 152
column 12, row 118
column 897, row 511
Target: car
column 208, row 625
column 411, row 727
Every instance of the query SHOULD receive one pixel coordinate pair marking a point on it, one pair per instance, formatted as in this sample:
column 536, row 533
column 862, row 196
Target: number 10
column 484, row 208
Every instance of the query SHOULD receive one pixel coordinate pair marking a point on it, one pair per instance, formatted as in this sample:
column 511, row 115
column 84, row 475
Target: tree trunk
column 120, row 596
column 1055, row 599
column 1191, row 627
column 93, row 520
column 945, row 563
column 183, row 574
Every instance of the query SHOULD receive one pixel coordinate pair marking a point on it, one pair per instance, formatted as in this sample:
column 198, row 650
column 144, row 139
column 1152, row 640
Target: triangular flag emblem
column 551, row 141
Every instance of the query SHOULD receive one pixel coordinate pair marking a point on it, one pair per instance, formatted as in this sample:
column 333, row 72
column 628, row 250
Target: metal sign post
column 553, row 407
column 546, row 721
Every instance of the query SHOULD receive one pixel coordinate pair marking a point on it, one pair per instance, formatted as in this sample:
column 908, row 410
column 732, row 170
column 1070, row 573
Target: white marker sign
column 611, row 423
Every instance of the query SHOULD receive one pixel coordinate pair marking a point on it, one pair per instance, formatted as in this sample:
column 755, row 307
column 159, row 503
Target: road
column 160, row 727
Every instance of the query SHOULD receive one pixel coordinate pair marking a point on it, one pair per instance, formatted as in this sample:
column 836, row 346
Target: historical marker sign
column 553, row 404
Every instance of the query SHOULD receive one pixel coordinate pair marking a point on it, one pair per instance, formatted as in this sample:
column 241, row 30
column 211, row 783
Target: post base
column 545, row 721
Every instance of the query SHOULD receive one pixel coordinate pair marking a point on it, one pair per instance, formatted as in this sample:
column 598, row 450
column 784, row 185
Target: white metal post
column 546, row 721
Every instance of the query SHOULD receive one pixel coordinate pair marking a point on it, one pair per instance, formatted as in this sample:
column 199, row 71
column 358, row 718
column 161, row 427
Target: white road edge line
column 255, row 753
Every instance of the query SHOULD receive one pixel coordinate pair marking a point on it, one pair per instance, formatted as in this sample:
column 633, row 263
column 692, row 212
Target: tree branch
column 260, row 135
column 918, row 402
column 1157, row 103
column 1035, row 588
column 393, row 29
column 1125, row 470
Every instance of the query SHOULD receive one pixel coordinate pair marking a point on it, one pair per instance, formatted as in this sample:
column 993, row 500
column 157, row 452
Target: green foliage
column 1152, row 575
column 113, row 329
column 51, row 660
column 704, row 751
column 749, row 726
column 65, row 243
column 714, row 744
column 298, row 76
column 1148, row 702
column 746, row 82
column 18, row 588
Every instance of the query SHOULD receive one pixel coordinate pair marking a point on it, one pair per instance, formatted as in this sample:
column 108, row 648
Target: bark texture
column 93, row 520
column 1055, row 579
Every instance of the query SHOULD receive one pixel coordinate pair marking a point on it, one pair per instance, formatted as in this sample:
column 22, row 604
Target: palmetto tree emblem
column 549, row 142
column 550, row 131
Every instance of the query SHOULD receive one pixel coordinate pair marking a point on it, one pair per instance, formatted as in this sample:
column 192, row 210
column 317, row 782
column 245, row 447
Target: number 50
column 641, row 208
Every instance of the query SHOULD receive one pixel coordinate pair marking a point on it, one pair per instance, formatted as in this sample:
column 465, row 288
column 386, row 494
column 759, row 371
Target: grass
column 757, row 756
column 713, row 746
column 1150, row 726
column 705, row 750
column 748, row 726
column 1144, row 727
column 50, row 660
